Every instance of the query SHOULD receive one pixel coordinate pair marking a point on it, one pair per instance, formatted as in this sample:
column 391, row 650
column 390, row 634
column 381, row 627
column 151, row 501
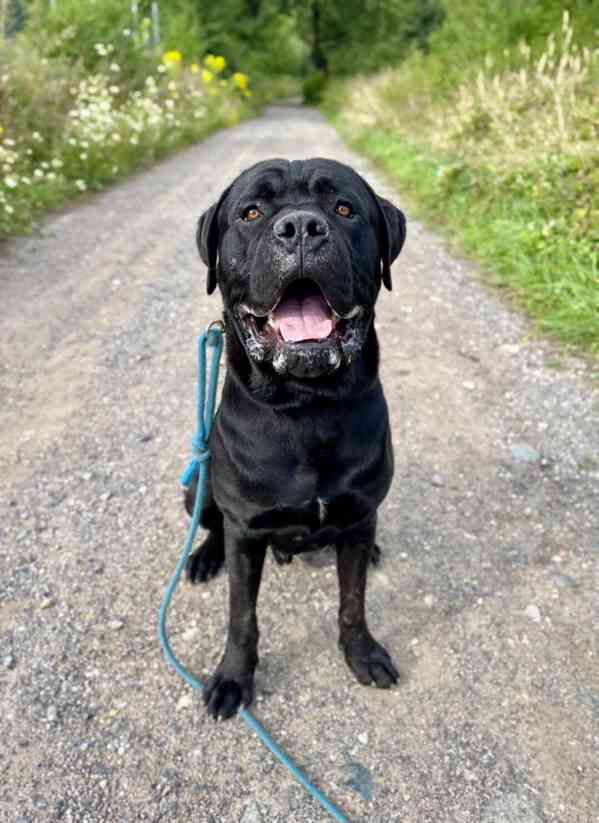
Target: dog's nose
column 301, row 226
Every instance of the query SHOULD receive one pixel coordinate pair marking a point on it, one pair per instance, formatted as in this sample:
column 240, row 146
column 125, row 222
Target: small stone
column 9, row 662
column 510, row 348
column 437, row 480
column 468, row 385
column 189, row 634
column 429, row 600
column 363, row 738
column 47, row 603
column 252, row 813
column 115, row 625
column 533, row 612
column 51, row 714
column 184, row 702
column 403, row 555
column 525, row 454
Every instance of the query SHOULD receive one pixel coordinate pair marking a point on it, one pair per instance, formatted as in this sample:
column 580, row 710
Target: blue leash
column 198, row 468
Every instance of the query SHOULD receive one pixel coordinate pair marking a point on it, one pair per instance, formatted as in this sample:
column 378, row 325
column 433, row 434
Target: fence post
column 156, row 23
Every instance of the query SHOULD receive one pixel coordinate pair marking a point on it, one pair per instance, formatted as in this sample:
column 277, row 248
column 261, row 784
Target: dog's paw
column 206, row 561
column 224, row 694
column 370, row 662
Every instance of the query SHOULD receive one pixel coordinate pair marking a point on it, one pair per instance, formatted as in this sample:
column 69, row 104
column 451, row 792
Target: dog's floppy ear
column 207, row 237
column 393, row 235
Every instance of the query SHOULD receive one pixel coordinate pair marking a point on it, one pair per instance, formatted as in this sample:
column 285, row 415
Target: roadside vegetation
column 492, row 131
column 86, row 96
column 486, row 112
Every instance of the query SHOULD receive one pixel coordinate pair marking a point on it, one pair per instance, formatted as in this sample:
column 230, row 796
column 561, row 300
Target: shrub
column 64, row 129
column 313, row 87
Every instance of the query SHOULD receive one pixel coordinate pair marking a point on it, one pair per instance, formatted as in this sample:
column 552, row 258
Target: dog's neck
column 261, row 384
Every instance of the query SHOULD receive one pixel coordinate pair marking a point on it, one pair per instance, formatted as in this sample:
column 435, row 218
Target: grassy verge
column 74, row 118
column 508, row 163
column 500, row 223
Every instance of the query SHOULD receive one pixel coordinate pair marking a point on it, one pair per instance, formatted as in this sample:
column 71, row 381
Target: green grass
column 499, row 220
column 500, row 149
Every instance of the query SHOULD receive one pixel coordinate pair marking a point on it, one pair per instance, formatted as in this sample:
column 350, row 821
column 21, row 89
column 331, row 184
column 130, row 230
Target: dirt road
column 487, row 596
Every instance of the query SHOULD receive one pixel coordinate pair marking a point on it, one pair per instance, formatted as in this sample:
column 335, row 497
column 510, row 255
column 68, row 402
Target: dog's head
column 299, row 250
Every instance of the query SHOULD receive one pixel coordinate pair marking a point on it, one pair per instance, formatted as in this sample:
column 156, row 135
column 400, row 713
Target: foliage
column 313, row 87
column 67, row 125
column 356, row 36
column 507, row 156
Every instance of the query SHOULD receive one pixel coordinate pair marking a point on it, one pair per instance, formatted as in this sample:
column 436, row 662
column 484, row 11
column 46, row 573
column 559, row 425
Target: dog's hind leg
column 206, row 561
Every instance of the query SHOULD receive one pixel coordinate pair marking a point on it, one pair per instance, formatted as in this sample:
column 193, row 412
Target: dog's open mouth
column 302, row 333
column 302, row 313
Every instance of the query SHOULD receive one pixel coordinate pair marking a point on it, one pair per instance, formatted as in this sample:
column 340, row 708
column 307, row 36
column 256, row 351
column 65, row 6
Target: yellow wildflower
column 241, row 80
column 194, row 68
column 1, row 131
column 215, row 63
column 172, row 58
column 207, row 77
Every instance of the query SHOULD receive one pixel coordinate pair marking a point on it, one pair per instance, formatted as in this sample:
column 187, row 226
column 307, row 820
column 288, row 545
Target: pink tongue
column 303, row 318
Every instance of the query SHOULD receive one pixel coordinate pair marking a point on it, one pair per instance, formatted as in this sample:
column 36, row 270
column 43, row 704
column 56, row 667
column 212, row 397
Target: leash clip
column 216, row 324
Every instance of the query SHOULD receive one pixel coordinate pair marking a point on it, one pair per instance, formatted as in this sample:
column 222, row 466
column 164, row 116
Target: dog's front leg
column 232, row 683
column 367, row 659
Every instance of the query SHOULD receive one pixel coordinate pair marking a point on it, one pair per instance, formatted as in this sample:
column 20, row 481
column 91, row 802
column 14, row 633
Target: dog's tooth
column 334, row 358
column 279, row 362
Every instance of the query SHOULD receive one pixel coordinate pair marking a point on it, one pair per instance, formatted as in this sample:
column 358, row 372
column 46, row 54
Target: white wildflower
column 80, row 185
column 11, row 182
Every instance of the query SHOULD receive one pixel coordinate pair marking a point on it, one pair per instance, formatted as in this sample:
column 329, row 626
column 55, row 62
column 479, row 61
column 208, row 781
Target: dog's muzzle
column 302, row 334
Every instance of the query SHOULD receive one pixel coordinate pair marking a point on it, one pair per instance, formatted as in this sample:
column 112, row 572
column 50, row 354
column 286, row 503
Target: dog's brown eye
column 252, row 213
column 344, row 210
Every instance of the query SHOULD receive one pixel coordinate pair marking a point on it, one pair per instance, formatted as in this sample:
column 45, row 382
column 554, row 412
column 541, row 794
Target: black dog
column 301, row 448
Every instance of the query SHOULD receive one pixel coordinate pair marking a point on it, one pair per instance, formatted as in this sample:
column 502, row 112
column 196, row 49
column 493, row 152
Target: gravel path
column 487, row 596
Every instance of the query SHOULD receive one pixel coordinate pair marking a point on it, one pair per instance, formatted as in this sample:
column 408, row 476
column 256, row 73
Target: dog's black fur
column 301, row 448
